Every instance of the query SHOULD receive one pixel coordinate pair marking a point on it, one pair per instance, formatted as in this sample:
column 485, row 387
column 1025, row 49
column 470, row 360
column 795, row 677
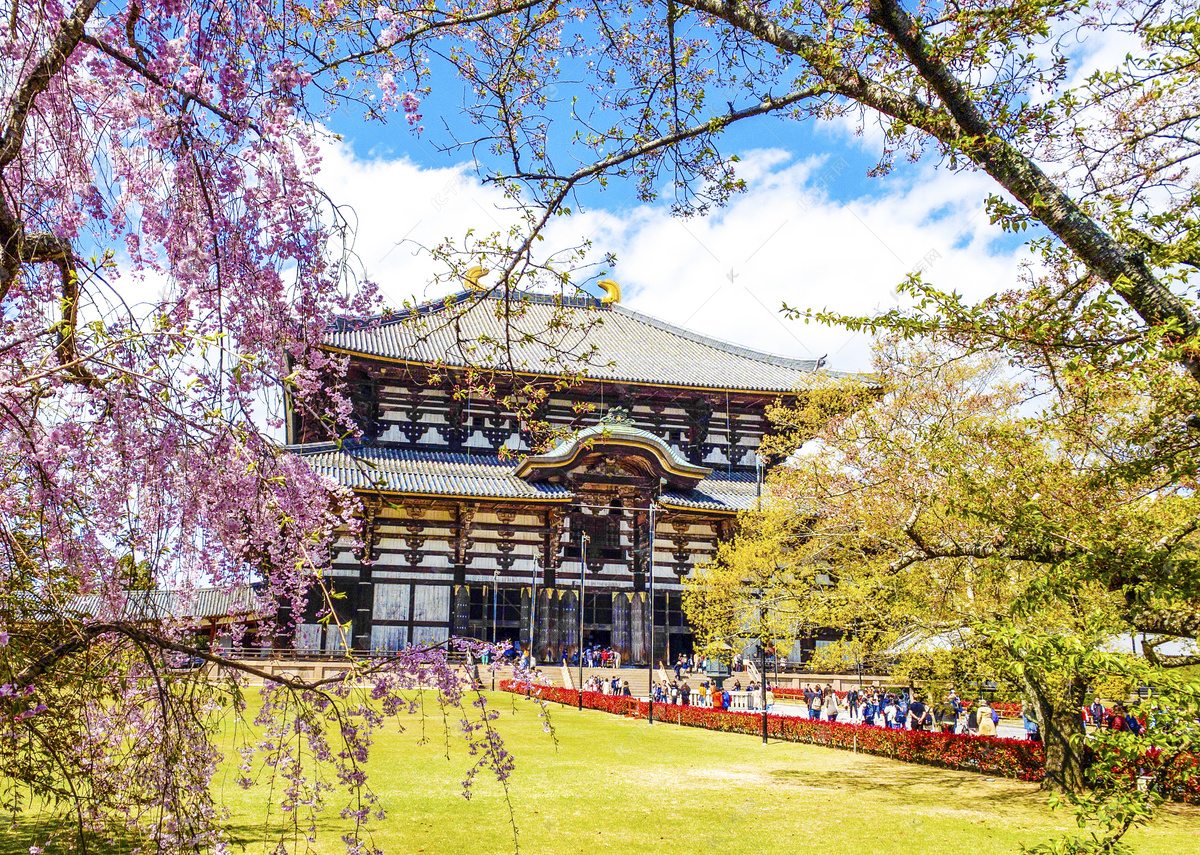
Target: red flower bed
column 1012, row 758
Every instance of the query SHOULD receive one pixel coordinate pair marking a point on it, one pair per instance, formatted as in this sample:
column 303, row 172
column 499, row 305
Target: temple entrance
column 596, row 637
column 616, row 619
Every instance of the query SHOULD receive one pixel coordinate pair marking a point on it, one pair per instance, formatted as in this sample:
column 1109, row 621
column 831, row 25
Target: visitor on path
column 891, row 712
column 685, row 693
column 1029, row 720
column 919, row 716
column 831, row 704
column 946, row 715
column 986, row 721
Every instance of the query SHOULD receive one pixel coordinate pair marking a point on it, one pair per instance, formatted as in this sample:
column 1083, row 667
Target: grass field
column 620, row 786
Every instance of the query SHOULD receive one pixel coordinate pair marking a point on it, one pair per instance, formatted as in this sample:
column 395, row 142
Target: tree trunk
column 1059, row 702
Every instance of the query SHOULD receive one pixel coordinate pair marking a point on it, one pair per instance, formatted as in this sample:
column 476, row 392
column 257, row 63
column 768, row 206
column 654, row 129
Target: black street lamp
column 762, row 684
column 532, row 630
column 762, row 658
column 650, row 666
column 495, row 602
column 583, row 542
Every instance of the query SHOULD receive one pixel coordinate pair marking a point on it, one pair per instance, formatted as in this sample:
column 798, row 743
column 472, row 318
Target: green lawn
column 621, row 786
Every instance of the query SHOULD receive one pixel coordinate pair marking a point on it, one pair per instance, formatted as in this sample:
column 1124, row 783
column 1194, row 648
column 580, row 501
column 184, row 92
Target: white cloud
column 400, row 207
column 787, row 240
column 726, row 275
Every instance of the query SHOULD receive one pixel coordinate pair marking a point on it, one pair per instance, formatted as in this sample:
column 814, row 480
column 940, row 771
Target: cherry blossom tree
column 168, row 266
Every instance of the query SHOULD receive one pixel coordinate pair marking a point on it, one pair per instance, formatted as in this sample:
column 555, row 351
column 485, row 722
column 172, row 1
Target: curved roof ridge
column 386, row 318
column 615, row 430
column 431, row 306
column 710, row 341
column 639, row 348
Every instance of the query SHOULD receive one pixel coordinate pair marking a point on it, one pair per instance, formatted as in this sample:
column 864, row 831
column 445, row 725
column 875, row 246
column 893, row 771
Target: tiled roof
column 623, row 345
column 484, row 476
column 202, row 603
column 437, row 473
column 718, row 492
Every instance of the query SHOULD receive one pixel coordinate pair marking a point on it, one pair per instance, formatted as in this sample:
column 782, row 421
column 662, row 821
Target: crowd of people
column 870, row 706
column 908, row 711
column 607, row 686
column 1119, row 717
column 707, row 694
column 597, row 656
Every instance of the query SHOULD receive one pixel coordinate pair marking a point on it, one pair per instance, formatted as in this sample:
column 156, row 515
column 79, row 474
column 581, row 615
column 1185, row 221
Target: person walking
column 831, row 704
column 1029, row 720
column 986, row 723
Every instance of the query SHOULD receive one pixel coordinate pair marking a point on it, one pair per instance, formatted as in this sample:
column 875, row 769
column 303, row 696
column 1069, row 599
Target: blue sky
column 812, row 230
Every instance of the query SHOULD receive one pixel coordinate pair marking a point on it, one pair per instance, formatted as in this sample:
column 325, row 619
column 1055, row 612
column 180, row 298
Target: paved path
column 1007, row 728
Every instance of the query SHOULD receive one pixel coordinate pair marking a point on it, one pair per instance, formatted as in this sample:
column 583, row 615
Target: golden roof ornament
column 473, row 276
column 612, row 292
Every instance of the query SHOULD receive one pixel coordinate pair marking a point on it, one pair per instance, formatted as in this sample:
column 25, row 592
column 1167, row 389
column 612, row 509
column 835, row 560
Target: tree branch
column 52, row 62
column 1126, row 271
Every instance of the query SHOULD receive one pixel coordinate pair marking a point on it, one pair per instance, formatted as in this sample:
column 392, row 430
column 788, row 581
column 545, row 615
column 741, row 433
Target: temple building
column 468, row 533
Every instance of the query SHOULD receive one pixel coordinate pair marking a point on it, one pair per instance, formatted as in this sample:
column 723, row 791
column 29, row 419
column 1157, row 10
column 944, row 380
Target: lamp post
column 532, row 630
column 583, row 542
column 650, row 667
column 495, row 602
column 762, row 658
column 762, row 653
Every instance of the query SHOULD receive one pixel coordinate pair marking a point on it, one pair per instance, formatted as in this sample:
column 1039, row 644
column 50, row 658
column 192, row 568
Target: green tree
column 954, row 526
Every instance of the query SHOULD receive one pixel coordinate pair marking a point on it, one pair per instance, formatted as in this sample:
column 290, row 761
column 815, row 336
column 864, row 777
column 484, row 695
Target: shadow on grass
column 17, row 837
column 911, row 780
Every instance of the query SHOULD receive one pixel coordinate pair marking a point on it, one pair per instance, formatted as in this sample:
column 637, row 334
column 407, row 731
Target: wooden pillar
column 460, row 610
column 365, row 594
column 544, row 645
column 568, row 624
column 621, row 641
column 639, row 628
column 526, row 611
